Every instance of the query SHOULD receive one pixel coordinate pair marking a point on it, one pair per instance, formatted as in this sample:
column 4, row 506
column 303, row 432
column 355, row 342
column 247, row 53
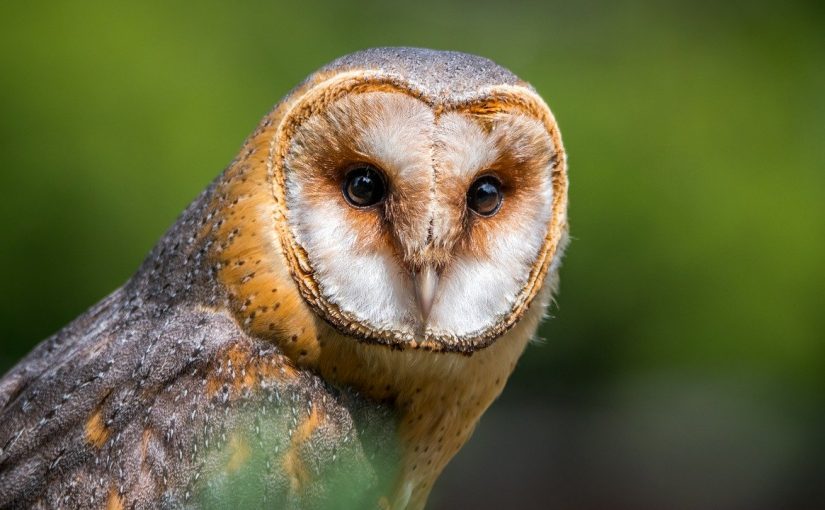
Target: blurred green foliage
column 696, row 134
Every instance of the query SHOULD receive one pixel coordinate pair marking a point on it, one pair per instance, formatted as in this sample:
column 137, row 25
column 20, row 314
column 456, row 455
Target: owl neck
column 439, row 397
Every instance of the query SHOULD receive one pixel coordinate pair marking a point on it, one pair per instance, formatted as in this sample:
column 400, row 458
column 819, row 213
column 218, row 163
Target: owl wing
column 134, row 405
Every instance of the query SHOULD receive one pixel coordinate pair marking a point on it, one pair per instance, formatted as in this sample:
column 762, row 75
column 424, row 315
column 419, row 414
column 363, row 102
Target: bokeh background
column 684, row 366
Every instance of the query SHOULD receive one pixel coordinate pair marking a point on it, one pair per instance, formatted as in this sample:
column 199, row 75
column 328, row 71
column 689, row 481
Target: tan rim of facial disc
column 492, row 100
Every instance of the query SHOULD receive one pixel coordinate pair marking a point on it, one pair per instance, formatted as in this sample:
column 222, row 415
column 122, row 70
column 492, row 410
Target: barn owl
column 325, row 324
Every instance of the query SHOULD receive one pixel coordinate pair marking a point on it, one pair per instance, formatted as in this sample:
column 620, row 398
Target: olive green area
column 686, row 358
column 256, row 464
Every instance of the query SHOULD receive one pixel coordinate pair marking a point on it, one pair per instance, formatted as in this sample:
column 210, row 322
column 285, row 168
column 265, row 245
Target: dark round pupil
column 485, row 196
column 364, row 187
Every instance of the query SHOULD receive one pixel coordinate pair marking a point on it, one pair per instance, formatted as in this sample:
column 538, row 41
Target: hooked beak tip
column 426, row 281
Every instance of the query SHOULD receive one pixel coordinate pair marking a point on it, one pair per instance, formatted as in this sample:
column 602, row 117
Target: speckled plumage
column 223, row 373
column 448, row 76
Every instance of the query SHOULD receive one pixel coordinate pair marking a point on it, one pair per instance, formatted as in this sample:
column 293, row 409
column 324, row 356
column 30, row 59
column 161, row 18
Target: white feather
column 474, row 292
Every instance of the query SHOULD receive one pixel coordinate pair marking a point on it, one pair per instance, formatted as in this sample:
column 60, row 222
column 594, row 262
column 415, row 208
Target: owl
column 325, row 324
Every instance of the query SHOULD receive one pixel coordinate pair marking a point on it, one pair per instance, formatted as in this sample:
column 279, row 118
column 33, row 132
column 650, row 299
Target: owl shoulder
column 180, row 406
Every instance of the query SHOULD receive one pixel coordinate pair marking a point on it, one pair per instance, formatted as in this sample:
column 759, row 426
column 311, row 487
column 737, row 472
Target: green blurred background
column 685, row 364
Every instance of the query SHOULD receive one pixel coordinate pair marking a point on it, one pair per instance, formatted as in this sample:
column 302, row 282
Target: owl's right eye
column 364, row 186
column 485, row 196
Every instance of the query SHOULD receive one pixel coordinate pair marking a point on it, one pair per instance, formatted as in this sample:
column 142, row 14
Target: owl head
column 421, row 196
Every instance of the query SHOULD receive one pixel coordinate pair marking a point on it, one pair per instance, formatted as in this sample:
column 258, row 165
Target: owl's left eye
column 364, row 186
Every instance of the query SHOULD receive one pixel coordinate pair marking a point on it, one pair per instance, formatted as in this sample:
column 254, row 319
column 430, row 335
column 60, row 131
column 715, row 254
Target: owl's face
column 416, row 224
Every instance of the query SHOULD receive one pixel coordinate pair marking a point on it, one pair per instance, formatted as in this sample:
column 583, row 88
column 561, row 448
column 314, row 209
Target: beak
column 426, row 281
